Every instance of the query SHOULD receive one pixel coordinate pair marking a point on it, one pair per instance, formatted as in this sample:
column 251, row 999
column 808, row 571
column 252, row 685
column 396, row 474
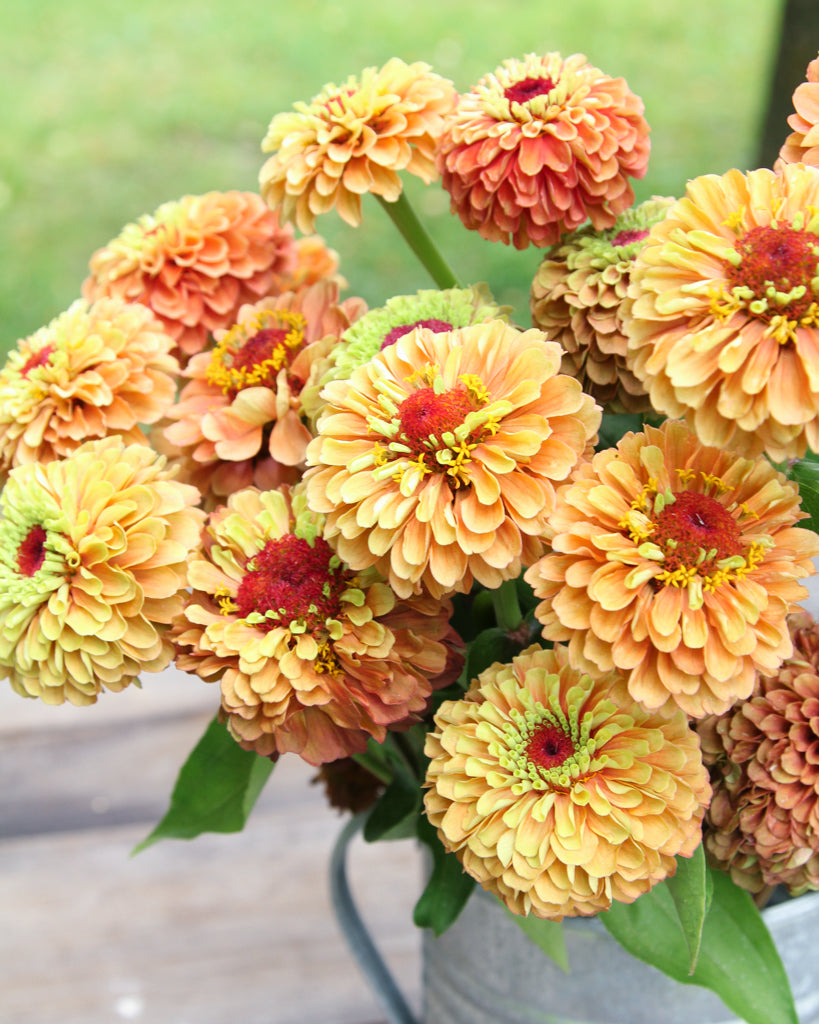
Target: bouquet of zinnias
column 528, row 593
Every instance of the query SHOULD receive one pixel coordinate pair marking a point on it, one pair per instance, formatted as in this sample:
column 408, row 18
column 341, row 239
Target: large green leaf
column 215, row 791
column 691, row 889
column 548, row 935
column 806, row 475
column 738, row 959
column 448, row 887
column 394, row 814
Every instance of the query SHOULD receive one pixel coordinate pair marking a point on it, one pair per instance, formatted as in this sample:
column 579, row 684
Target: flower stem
column 415, row 235
column 507, row 607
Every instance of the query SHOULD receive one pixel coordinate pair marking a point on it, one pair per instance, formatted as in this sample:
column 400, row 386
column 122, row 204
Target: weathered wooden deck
column 231, row 929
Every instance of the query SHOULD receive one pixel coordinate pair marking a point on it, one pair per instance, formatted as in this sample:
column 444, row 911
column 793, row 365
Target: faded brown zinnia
column 194, row 262
column 722, row 315
column 678, row 564
column 95, row 370
column 763, row 825
column 312, row 657
column 93, row 553
column 436, row 461
column 355, row 138
column 560, row 793
column 576, row 297
column 540, row 145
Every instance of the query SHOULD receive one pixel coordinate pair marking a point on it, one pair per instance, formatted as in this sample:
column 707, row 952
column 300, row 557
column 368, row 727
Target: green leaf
column 738, row 959
column 547, row 935
column 805, row 474
column 691, row 889
column 448, row 888
column 393, row 816
column 215, row 791
column 489, row 646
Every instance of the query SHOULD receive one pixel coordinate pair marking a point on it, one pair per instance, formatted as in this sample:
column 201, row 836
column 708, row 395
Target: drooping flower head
column 722, row 316
column 576, row 298
column 437, row 460
column 312, row 657
column 355, row 138
column 560, row 793
column 194, row 262
column 95, row 370
column 540, row 145
column 678, row 564
column 763, row 824
column 93, row 552
column 241, row 415
column 802, row 145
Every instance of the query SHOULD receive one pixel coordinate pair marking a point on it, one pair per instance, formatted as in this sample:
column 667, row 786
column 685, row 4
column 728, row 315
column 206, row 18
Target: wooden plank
column 223, row 929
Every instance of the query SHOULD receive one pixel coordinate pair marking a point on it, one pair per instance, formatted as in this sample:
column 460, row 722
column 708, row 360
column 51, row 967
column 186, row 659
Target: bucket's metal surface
column 483, row 970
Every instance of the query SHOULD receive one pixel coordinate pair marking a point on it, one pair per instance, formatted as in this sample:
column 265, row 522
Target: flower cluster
column 358, row 521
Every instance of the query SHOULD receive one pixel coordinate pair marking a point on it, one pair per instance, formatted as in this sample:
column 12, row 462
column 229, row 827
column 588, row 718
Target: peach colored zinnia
column 355, row 138
column 312, row 657
column 437, row 460
column 540, row 145
column 722, row 316
column 95, row 370
column 802, row 145
column 678, row 564
column 576, row 297
column 560, row 793
column 93, row 553
column 194, row 262
column 240, row 418
column 763, row 825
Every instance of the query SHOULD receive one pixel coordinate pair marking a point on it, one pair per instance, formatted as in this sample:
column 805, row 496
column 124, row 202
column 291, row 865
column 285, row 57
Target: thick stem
column 415, row 235
column 507, row 607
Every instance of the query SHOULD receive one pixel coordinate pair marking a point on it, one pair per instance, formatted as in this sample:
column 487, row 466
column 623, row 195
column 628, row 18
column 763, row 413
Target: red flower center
column 630, row 235
column 549, row 747
column 296, row 580
column 436, row 326
column 426, row 413
column 527, row 89
column 776, row 259
column 31, row 553
column 38, row 358
column 695, row 524
column 268, row 345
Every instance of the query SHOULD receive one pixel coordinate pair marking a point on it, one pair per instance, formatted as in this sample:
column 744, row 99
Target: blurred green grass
column 108, row 112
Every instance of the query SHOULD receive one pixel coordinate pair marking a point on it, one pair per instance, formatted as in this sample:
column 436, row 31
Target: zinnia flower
column 763, row 825
column 194, row 262
column 677, row 564
column 560, row 793
column 722, row 316
column 93, row 552
column 802, row 145
column 241, row 416
column 540, row 145
column 94, row 370
column 355, row 138
column 576, row 297
column 312, row 657
column 436, row 461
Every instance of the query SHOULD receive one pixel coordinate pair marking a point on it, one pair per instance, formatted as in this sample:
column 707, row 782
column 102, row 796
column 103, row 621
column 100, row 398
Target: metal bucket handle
column 355, row 932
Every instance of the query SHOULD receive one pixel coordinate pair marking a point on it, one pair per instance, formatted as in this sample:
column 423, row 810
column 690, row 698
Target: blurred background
column 108, row 111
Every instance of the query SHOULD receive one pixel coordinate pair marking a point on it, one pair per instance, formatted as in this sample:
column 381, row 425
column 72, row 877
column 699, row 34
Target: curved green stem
column 507, row 607
column 415, row 235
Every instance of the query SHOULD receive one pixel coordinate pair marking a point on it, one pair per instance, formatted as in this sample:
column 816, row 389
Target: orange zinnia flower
column 93, row 555
column 437, row 460
column 677, row 564
column 802, row 145
column 722, row 316
column 194, row 262
column 241, row 414
column 560, row 793
column 95, row 370
column 353, row 139
column 312, row 657
column 539, row 146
